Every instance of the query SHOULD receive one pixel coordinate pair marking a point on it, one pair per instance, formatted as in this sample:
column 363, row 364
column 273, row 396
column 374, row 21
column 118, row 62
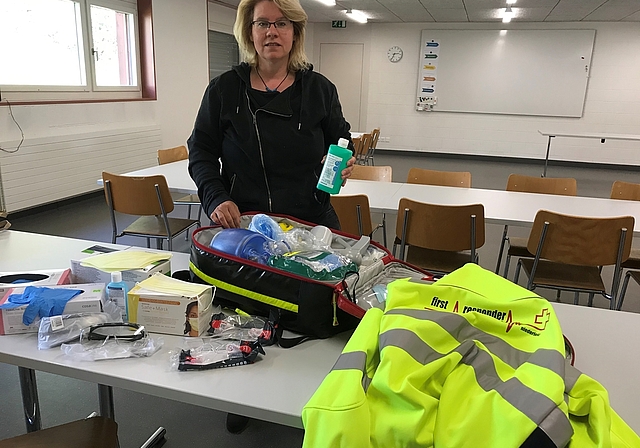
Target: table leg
column 105, row 399
column 546, row 157
column 30, row 402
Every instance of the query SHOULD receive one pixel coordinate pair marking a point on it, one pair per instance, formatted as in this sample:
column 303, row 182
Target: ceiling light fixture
column 356, row 15
column 511, row 2
column 507, row 15
column 328, row 2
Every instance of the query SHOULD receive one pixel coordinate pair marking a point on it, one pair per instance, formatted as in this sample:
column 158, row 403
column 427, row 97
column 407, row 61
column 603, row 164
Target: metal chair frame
column 359, row 217
column 538, row 258
column 529, row 184
column 174, row 155
column 447, row 237
column 373, row 143
column 165, row 220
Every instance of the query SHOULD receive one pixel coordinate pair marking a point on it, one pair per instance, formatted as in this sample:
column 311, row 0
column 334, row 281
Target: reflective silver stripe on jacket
column 571, row 375
column 354, row 361
column 536, row 406
column 460, row 329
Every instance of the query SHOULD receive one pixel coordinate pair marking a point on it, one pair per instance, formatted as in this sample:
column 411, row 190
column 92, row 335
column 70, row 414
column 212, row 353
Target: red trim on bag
column 348, row 306
column 343, row 302
column 331, row 284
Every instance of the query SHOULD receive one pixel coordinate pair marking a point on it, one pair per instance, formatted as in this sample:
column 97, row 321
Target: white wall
column 182, row 67
column 612, row 102
column 180, row 33
column 181, row 72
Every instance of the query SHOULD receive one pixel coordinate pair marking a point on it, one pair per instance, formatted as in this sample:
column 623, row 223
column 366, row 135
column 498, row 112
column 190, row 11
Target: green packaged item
column 314, row 264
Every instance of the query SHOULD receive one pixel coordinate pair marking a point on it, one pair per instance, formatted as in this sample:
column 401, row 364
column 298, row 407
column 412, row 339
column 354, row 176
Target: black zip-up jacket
column 270, row 156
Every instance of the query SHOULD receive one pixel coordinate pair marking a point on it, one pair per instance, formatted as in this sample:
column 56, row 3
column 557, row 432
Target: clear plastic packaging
column 371, row 292
column 374, row 298
column 354, row 251
column 242, row 328
column 215, row 354
column 314, row 264
column 300, row 239
column 56, row 330
column 265, row 225
column 112, row 348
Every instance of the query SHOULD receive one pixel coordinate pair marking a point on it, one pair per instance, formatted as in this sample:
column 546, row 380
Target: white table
column 512, row 207
column 604, row 341
column 603, row 136
column 290, row 376
column 176, row 173
column 383, row 196
column 500, row 207
column 606, row 348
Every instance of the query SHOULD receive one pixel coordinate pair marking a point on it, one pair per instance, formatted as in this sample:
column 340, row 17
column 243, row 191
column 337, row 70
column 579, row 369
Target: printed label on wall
column 430, row 52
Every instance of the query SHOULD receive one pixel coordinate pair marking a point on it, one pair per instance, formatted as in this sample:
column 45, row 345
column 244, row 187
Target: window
column 69, row 49
column 223, row 53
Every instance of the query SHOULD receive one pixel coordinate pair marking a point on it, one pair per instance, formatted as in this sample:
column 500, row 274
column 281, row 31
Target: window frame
column 89, row 46
column 145, row 69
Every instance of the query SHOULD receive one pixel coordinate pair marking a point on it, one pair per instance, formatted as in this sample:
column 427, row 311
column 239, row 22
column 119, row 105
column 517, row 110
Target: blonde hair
column 292, row 10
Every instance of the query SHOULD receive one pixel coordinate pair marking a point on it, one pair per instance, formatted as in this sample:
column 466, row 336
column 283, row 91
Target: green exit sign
column 338, row 24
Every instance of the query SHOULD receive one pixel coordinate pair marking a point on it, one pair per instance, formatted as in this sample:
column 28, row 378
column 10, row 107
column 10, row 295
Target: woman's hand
column 227, row 215
column 346, row 173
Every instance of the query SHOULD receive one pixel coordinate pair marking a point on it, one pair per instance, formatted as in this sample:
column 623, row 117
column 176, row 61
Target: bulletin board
column 521, row 72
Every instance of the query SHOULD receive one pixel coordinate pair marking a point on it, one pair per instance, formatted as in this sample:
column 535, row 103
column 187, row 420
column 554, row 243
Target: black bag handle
column 345, row 288
column 291, row 342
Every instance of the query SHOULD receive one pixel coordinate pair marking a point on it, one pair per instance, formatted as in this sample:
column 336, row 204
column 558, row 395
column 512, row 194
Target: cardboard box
column 34, row 278
column 89, row 301
column 88, row 274
column 165, row 311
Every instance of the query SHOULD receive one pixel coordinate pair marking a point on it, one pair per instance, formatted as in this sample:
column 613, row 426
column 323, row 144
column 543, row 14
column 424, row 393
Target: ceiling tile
column 392, row 11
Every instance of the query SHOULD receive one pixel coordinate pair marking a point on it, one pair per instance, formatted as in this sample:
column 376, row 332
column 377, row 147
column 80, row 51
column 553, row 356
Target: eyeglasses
column 264, row 25
column 116, row 330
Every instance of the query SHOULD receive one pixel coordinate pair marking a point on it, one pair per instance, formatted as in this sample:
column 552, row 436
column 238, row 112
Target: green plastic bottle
column 336, row 161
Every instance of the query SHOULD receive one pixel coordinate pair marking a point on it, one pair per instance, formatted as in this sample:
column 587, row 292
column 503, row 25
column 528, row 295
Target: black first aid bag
column 303, row 305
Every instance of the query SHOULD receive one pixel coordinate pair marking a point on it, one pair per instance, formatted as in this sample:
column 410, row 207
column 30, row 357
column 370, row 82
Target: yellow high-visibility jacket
column 472, row 360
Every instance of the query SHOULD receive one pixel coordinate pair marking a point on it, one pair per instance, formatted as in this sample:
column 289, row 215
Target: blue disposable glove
column 42, row 302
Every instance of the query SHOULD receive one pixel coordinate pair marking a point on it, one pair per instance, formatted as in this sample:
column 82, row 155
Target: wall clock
column 394, row 54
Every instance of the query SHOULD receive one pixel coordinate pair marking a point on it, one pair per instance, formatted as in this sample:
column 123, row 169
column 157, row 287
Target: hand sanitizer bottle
column 330, row 179
column 117, row 292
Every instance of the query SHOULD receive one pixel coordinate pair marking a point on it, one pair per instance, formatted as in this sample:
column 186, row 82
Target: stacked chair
column 368, row 158
column 364, row 141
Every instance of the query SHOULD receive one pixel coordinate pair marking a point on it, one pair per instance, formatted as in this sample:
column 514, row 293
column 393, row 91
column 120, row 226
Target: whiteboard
column 522, row 72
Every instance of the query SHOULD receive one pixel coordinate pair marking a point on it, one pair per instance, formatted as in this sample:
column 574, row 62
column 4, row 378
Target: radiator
column 48, row 169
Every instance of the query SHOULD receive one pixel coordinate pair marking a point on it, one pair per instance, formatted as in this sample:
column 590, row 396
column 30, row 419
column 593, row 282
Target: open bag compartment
column 303, row 305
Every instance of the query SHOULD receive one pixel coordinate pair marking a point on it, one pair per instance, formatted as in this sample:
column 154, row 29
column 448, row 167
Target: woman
column 264, row 127
column 191, row 319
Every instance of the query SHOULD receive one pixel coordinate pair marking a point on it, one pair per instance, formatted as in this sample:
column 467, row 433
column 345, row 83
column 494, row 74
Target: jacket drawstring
column 301, row 101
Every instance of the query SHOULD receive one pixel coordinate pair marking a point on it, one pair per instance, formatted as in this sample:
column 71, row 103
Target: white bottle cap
column 343, row 142
column 116, row 277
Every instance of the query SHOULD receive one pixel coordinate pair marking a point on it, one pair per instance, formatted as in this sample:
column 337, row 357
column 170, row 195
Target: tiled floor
column 64, row 399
